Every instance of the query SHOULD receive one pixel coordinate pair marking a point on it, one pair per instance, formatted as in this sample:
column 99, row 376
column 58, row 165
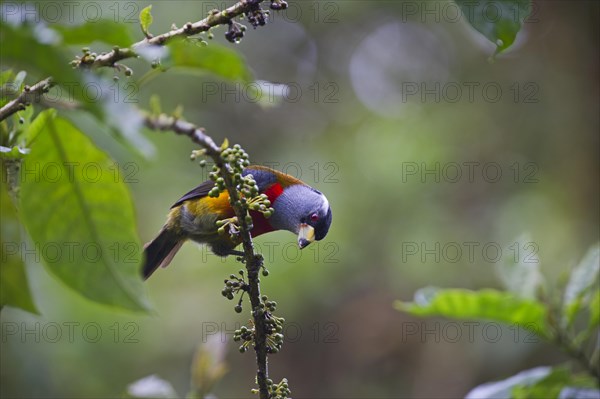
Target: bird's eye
column 314, row 217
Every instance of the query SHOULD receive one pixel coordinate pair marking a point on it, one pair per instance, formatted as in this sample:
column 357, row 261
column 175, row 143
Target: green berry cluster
column 281, row 390
column 234, row 285
column 277, row 391
column 246, row 335
column 219, row 187
column 273, row 324
column 236, row 157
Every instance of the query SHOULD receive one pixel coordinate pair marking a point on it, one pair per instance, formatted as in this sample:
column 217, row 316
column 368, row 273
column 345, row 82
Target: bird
column 298, row 208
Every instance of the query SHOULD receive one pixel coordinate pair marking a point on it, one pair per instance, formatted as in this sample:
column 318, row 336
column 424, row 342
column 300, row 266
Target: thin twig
column 253, row 260
column 30, row 94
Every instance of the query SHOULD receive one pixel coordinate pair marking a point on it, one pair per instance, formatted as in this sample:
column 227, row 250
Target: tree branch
column 215, row 18
column 30, row 94
column 110, row 59
column 253, row 261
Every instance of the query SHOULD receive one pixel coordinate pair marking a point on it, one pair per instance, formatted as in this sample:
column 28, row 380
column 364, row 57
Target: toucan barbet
column 298, row 208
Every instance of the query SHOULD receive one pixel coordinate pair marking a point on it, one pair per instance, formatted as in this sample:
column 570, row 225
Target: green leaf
column 485, row 304
column 583, row 278
column 520, row 273
column 104, row 30
column 498, row 20
column 146, row 20
column 81, row 217
column 14, row 288
column 225, row 144
column 214, row 59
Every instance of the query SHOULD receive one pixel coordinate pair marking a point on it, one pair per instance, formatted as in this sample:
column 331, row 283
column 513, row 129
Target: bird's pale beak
column 306, row 235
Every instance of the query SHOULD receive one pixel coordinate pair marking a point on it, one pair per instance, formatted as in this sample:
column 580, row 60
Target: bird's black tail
column 160, row 251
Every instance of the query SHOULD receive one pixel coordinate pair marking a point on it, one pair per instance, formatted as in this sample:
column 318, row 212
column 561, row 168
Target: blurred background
column 434, row 161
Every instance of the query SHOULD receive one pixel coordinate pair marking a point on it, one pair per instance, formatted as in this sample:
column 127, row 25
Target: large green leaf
column 81, row 217
column 104, row 30
column 213, row 58
column 485, row 304
column 498, row 20
column 14, row 288
column 583, row 278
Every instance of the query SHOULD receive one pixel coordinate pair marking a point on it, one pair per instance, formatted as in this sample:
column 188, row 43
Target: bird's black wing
column 198, row 192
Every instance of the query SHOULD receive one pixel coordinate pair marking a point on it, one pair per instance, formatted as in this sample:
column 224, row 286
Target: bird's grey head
column 304, row 211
